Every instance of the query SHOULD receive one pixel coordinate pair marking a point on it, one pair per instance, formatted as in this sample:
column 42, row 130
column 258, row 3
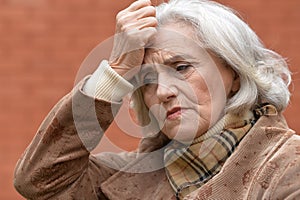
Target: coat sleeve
column 288, row 183
column 58, row 164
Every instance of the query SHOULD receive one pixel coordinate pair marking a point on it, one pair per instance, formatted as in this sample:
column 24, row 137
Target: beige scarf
column 188, row 168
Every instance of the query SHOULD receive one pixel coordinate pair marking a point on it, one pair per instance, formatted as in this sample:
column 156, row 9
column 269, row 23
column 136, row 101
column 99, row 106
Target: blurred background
column 44, row 42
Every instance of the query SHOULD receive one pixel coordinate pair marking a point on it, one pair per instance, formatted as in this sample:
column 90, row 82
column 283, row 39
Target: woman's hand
column 135, row 25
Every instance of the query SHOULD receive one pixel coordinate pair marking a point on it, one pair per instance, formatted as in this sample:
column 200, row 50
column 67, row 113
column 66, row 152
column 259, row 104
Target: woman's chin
column 183, row 134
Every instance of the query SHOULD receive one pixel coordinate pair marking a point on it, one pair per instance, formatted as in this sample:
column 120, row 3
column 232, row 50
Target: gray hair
column 264, row 75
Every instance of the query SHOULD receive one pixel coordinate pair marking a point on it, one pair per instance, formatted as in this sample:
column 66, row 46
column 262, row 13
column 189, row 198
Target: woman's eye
column 182, row 67
column 149, row 79
column 184, row 70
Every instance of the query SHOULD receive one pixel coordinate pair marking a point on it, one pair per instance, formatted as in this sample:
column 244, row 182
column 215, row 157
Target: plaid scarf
column 188, row 168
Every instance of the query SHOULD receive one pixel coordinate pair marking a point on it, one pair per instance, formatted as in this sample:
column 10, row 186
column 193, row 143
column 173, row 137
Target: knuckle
column 121, row 22
column 123, row 28
column 127, row 29
column 120, row 15
column 119, row 26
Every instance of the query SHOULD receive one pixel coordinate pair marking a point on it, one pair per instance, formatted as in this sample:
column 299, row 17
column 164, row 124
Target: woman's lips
column 174, row 113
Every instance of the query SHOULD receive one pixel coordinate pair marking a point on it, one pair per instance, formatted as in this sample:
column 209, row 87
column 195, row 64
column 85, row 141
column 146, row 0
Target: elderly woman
column 209, row 98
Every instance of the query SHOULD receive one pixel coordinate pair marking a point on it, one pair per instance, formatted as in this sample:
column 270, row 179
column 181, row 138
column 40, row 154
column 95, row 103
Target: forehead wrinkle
column 154, row 56
column 165, row 57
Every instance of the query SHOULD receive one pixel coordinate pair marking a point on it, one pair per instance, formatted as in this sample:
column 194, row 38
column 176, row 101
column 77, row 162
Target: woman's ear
column 235, row 84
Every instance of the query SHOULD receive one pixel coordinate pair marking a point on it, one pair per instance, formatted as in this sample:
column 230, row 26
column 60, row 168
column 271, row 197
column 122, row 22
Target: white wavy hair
column 264, row 75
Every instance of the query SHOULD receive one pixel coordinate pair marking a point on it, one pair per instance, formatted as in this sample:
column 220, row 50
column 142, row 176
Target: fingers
column 148, row 11
column 147, row 23
column 137, row 20
column 124, row 17
column 135, row 27
column 138, row 4
column 140, row 24
column 136, row 39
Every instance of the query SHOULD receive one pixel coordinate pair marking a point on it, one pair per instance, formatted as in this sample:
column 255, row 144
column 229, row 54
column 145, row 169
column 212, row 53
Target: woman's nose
column 166, row 90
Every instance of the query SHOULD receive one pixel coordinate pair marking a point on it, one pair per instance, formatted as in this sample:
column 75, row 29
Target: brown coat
column 56, row 165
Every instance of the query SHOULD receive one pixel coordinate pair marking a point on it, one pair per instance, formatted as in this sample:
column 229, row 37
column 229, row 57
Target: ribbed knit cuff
column 106, row 84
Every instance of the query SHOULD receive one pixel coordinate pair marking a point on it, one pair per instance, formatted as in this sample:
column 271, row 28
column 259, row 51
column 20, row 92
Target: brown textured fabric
column 57, row 164
column 261, row 167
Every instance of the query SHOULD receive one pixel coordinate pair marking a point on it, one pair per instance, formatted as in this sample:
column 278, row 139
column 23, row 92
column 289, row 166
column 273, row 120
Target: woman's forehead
column 173, row 40
column 175, row 54
column 174, row 35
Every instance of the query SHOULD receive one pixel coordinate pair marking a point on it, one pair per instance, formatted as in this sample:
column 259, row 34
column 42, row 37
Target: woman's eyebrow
column 177, row 58
column 168, row 62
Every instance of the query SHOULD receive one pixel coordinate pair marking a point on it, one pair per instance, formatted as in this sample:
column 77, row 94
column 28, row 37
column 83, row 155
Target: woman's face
column 185, row 87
